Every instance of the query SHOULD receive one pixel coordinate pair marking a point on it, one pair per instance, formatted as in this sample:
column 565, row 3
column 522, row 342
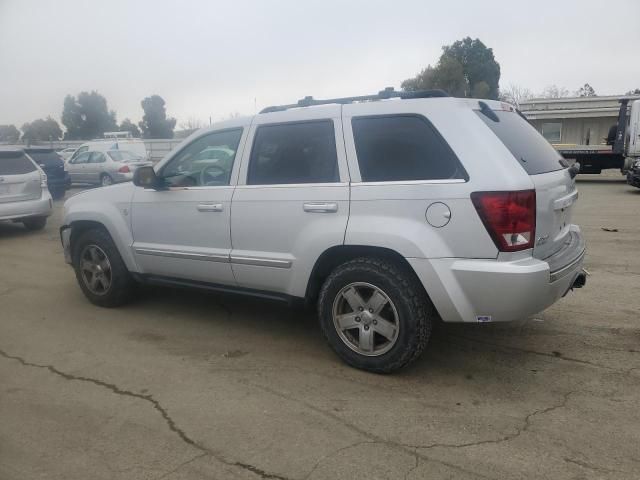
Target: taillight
column 510, row 218
column 124, row 169
column 43, row 180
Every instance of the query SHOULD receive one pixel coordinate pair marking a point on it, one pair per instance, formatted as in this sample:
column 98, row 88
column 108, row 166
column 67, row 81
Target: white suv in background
column 388, row 211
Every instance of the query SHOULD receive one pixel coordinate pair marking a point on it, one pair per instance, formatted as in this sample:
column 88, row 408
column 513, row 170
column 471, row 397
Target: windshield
column 123, row 156
column 532, row 151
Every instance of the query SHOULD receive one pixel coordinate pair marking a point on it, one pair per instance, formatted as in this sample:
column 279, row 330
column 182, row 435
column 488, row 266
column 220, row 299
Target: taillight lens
column 510, row 218
column 43, row 180
column 124, row 169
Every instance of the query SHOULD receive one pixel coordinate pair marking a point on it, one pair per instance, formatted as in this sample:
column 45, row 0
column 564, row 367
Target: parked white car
column 105, row 167
column 385, row 212
column 24, row 196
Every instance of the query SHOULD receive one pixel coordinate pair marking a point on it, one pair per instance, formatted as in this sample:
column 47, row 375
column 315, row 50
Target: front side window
column 207, row 161
column 402, row 147
column 291, row 153
column 82, row 158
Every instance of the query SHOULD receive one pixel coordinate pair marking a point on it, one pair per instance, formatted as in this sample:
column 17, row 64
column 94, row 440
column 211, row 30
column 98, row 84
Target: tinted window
column 15, row 163
column 207, row 161
column 45, row 157
column 294, row 153
column 532, row 151
column 402, row 147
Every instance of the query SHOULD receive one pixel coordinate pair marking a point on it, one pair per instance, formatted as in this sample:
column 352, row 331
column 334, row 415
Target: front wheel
column 100, row 270
column 375, row 314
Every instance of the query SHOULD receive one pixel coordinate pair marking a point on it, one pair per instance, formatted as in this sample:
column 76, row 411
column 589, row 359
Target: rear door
column 292, row 201
column 19, row 178
column 555, row 189
column 95, row 167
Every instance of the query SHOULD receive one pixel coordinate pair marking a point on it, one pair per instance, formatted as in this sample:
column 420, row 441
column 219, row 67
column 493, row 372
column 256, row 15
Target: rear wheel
column 34, row 223
column 106, row 180
column 100, row 270
column 375, row 314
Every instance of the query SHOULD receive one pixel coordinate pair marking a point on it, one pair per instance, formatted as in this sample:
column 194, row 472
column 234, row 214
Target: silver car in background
column 105, row 167
column 24, row 196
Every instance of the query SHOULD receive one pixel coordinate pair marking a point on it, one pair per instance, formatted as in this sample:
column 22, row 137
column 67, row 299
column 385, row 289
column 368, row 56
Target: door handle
column 321, row 207
column 209, row 207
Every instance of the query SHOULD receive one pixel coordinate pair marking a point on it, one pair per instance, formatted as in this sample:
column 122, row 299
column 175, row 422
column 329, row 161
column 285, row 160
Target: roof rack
column 388, row 92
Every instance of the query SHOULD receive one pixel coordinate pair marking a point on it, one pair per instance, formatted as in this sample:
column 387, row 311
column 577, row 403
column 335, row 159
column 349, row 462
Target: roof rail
column 388, row 92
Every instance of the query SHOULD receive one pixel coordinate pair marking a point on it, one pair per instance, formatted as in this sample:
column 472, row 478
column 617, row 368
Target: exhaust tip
column 580, row 280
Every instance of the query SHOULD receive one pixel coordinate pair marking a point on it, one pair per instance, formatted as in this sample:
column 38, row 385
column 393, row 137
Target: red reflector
column 124, row 169
column 509, row 217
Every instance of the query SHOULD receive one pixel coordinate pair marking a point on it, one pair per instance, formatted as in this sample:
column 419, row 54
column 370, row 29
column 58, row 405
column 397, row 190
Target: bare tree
column 515, row 94
column 554, row 91
column 192, row 124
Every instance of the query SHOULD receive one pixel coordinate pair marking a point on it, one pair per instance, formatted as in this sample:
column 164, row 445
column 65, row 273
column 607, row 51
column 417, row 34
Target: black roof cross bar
column 388, row 92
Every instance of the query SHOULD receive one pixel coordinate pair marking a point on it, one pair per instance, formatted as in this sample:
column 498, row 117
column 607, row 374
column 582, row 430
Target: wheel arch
column 338, row 254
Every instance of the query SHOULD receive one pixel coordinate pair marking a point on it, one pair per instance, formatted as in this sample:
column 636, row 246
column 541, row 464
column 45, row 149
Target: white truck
column 622, row 148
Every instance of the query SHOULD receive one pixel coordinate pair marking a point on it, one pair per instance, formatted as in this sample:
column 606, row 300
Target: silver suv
column 388, row 211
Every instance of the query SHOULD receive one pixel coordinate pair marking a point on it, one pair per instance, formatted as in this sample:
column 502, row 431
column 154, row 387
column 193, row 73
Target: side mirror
column 146, row 177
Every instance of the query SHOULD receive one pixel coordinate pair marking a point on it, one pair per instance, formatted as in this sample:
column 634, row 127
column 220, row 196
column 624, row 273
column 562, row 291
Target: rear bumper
column 469, row 290
column 40, row 207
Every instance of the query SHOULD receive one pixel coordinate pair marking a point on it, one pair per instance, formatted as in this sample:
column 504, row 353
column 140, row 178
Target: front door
column 183, row 231
column 292, row 200
column 77, row 168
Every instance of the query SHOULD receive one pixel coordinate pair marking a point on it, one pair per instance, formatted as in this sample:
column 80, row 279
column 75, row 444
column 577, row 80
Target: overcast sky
column 213, row 58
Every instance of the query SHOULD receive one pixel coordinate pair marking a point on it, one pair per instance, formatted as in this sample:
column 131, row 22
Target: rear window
column 403, row 147
column 12, row 163
column 45, row 158
column 532, row 151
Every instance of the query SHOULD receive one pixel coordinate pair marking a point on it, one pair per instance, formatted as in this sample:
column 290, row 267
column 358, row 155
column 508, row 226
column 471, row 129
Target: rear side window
column 403, row 147
column 532, row 151
column 13, row 163
column 289, row 153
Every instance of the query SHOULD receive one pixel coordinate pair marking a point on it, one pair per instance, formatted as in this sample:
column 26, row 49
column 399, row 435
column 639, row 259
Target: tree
column 515, row 94
column 155, row 123
column 553, row 91
column 9, row 133
column 586, row 91
column 633, row 92
column 41, row 130
column 466, row 68
column 87, row 116
column 128, row 126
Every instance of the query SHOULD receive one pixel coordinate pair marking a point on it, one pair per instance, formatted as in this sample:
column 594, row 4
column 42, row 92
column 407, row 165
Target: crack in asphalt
column 534, row 352
column 373, row 438
column 157, row 406
column 519, row 430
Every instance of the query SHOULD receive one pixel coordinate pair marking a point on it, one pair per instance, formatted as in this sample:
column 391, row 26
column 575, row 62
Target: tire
column 105, row 180
column 115, row 286
column 34, row 223
column 408, row 303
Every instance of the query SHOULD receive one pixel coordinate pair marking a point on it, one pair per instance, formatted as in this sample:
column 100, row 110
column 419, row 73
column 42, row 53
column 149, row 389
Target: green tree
column 41, row 130
column 466, row 68
column 9, row 133
column 155, row 123
column 87, row 116
column 586, row 91
column 128, row 126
